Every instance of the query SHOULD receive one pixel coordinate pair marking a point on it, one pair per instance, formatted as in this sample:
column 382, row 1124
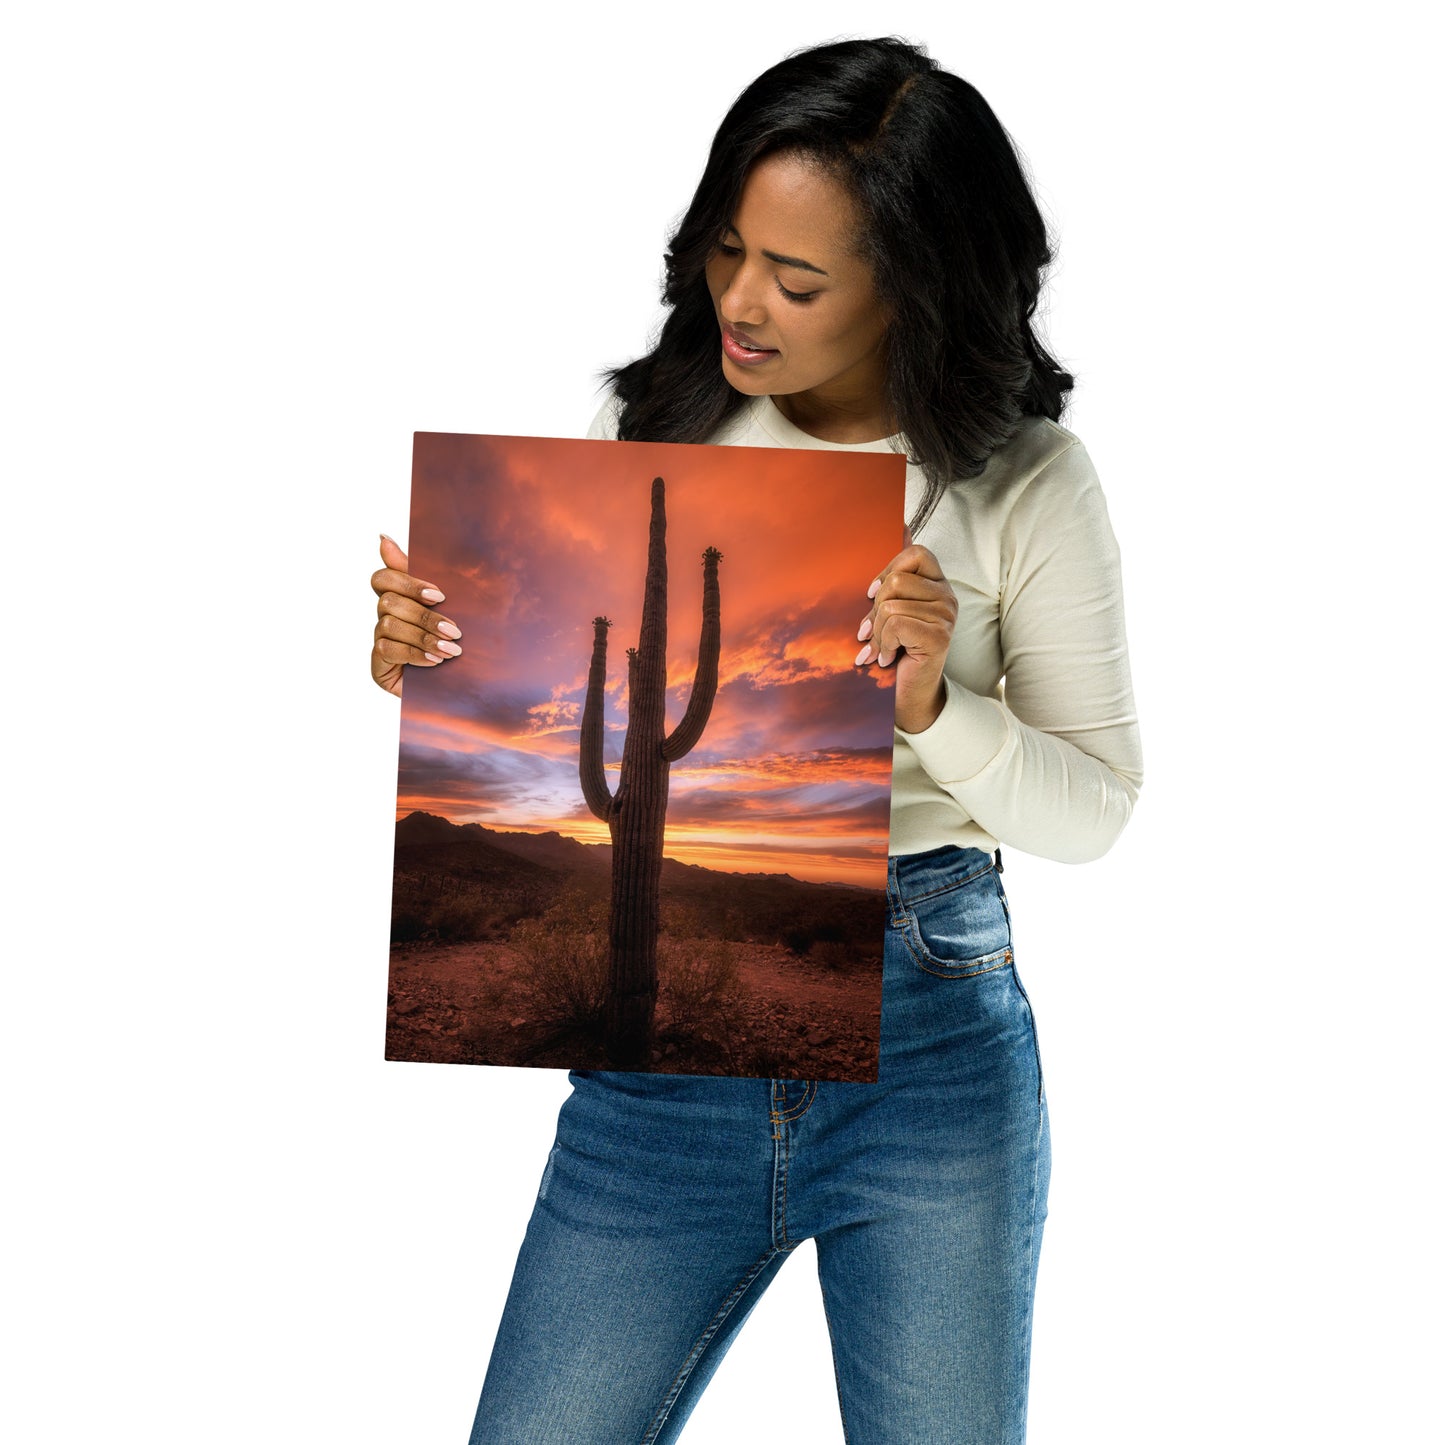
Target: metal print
column 642, row 819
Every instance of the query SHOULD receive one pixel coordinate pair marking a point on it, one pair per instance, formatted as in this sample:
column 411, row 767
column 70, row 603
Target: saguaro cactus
column 636, row 814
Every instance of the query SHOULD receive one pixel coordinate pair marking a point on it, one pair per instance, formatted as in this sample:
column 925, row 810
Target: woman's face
column 796, row 305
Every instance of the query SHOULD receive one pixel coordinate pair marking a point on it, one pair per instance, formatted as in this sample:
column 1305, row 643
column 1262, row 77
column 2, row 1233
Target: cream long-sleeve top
column 1037, row 746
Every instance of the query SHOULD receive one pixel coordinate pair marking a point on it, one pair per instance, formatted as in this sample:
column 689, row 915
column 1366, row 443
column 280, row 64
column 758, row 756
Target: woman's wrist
column 912, row 716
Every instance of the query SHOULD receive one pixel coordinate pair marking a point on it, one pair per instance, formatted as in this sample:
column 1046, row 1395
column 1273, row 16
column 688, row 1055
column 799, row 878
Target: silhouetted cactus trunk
column 637, row 814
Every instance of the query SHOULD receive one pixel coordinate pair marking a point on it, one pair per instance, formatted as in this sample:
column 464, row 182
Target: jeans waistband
column 912, row 876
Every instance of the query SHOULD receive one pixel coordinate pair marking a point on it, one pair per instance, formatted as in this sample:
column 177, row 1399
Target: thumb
column 391, row 554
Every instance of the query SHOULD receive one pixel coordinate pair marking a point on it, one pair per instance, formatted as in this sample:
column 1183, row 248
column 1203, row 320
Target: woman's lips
column 741, row 350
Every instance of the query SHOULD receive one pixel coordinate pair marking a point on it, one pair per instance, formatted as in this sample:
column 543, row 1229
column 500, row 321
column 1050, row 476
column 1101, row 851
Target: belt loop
column 998, row 859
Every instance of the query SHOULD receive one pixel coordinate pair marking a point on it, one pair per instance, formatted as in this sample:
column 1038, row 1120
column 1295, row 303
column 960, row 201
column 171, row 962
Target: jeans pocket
column 960, row 930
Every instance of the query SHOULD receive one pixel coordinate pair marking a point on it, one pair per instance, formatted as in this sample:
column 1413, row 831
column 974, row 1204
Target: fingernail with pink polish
column 863, row 656
column 432, row 657
column 874, row 586
column 449, row 629
column 430, row 594
column 866, row 631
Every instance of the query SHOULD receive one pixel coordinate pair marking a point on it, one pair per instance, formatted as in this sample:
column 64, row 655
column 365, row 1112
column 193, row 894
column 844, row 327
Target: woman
column 858, row 269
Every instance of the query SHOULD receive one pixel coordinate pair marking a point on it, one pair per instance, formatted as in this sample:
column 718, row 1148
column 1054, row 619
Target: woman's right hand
column 407, row 630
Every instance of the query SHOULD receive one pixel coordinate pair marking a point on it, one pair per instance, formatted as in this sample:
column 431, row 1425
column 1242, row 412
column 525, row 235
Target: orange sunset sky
column 531, row 538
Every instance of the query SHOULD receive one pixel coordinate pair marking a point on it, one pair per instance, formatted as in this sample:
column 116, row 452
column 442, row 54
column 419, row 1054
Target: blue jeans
column 669, row 1202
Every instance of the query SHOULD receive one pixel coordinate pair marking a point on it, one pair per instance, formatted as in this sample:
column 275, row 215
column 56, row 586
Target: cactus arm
column 685, row 735
column 594, row 778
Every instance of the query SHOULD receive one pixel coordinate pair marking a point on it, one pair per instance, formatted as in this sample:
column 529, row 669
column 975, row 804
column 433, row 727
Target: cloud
column 489, row 779
column 781, row 810
column 822, row 765
column 554, row 717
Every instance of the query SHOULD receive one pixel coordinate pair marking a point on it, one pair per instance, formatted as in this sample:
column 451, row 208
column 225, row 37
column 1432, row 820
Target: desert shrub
column 681, row 920
column 798, row 940
column 765, row 1059
column 801, row 934
column 698, row 981
column 461, row 918
column 407, row 927
column 834, row 956
column 565, row 957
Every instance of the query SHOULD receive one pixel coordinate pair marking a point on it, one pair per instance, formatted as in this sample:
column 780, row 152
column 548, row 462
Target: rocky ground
column 790, row 1017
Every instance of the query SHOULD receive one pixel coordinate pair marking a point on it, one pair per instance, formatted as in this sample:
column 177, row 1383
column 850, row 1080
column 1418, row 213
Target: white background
column 248, row 251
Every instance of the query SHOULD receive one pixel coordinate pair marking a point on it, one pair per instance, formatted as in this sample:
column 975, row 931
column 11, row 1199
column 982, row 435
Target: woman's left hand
column 911, row 623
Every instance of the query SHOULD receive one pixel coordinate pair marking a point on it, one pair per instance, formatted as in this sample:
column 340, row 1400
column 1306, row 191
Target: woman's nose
column 741, row 302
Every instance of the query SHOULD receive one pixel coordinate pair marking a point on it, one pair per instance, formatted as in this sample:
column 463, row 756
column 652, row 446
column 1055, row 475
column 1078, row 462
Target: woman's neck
column 848, row 421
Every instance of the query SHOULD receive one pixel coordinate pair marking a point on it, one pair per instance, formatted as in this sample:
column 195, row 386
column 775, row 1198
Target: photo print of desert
column 642, row 819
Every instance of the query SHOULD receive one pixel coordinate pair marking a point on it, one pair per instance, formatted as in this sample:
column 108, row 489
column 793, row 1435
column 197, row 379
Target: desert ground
column 784, row 1016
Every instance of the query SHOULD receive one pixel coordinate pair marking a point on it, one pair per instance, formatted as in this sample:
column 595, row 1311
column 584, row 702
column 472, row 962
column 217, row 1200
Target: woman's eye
column 796, row 295
column 725, row 248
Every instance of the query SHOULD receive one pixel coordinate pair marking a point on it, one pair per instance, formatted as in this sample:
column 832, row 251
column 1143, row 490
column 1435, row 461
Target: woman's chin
column 745, row 381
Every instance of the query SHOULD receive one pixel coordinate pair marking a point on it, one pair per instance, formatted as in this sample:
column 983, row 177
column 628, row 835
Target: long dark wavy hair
column 956, row 243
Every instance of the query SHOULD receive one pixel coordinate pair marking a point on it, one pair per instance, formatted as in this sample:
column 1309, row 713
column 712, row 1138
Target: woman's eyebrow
column 793, row 261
